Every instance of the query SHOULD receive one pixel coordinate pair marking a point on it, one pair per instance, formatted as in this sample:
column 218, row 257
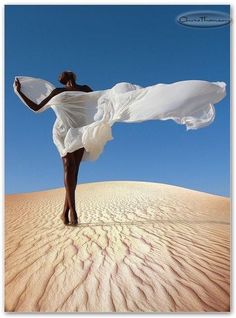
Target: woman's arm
column 29, row 102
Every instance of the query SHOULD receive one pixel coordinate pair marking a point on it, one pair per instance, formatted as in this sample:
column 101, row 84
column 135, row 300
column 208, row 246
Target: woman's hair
column 66, row 76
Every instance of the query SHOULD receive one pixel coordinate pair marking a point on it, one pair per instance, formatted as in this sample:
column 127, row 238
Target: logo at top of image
column 203, row 19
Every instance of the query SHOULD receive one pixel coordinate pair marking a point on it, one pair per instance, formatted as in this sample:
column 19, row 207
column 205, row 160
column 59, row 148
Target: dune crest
column 140, row 247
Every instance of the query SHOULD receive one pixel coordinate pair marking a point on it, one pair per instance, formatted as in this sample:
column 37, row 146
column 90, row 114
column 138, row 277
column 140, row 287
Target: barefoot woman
column 71, row 161
column 85, row 119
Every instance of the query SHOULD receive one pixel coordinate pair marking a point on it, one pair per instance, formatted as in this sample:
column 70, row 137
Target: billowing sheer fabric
column 86, row 119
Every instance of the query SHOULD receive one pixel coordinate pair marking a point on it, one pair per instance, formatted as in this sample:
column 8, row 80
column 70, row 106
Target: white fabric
column 35, row 89
column 85, row 119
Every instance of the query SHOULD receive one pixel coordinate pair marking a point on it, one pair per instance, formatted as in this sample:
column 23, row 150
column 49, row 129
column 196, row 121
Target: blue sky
column 104, row 45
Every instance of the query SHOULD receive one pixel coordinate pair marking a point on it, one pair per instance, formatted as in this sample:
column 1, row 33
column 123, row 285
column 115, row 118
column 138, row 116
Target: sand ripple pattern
column 140, row 247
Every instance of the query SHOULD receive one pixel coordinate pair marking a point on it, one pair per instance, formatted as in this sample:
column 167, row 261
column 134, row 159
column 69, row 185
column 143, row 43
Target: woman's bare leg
column 78, row 157
column 78, row 154
column 71, row 160
column 65, row 213
column 70, row 185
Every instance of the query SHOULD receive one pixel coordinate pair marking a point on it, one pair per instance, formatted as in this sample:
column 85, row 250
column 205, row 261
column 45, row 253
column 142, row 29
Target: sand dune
column 140, row 247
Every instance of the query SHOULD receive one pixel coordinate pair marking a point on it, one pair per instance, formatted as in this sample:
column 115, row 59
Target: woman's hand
column 17, row 84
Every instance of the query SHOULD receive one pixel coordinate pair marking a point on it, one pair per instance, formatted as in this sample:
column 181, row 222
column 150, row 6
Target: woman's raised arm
column 29, row 102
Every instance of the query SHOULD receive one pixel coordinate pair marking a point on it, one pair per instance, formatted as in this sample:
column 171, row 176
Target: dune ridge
column 139, row 247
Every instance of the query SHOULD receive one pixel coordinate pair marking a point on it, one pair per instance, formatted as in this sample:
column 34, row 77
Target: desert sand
column 140, row 247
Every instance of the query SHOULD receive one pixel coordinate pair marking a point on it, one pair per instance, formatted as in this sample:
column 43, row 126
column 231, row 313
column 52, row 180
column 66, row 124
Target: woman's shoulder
column 86, row 88
column 80, row 88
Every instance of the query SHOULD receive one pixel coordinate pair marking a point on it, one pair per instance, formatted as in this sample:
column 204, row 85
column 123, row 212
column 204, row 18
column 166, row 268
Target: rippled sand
column 140, row 247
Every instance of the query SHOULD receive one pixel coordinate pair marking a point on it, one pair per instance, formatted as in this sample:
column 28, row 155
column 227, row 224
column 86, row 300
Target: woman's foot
column 73, row 218
column 65, row 218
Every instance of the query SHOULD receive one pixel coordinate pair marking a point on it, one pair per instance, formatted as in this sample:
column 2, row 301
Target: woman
column 71, row 161
column 85, row 117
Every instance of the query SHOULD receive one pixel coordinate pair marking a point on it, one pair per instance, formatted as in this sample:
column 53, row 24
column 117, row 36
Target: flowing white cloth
column 85, row 119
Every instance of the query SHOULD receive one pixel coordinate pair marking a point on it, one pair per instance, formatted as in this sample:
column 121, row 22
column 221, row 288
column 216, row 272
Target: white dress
column 85, row 119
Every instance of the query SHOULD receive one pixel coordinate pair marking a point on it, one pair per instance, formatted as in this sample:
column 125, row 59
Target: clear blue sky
column 104, row 45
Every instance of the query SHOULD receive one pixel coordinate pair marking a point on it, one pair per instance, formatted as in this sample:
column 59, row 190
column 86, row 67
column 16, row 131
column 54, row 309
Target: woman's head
column 66, row 76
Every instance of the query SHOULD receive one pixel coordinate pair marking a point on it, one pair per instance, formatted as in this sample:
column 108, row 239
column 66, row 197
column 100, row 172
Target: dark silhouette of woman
column 71, row 161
